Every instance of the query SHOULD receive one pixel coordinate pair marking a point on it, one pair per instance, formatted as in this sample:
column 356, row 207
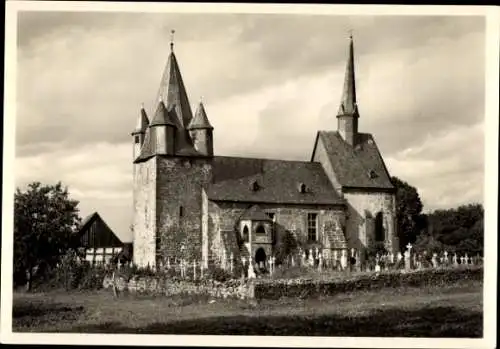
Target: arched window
column 260, row 230
column 245, row 234
column 302, row 188
column 255, row 186
column 379, row 227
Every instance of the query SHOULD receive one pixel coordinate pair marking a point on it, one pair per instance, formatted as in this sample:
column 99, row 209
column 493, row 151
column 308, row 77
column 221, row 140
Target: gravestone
column 343, row 259
column 455, row 260
column 466, row 259
column 434, row 260
column 320, row 264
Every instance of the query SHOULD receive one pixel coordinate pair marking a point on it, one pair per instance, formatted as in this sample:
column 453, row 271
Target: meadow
column 453, row 310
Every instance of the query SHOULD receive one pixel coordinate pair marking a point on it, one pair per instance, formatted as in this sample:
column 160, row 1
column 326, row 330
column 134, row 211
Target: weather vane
column 172, row 32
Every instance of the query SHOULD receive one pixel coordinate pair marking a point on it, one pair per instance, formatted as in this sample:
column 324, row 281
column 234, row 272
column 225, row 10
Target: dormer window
column 255, row 186
column 372, row 174
column 302, row 188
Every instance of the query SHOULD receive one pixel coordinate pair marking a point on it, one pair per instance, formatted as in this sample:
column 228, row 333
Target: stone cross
column 446, row 261
column 462, row 260
column 304, row 258
column 409, row 247
column 317, row 252
column 377, row 267
column 201, row 271
column 194, row 270
column 243, row 261
column 273, row 263
column 455, row 259
column 320, row 262
column 466, row 259
column 471, row 262
column 353, row 251
column 434, row 260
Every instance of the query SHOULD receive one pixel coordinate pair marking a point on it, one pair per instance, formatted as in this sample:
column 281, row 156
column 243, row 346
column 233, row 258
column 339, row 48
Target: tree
column 45, row 220
column 410, row 221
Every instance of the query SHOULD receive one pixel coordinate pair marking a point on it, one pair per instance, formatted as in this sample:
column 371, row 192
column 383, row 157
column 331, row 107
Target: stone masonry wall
column 144, row 222
column 360, row 230
column 224, row 217
column 180, row 183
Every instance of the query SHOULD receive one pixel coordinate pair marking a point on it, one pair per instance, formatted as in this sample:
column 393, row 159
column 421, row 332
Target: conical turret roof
column 200, row 120
column 163, row 116
column 142, row 121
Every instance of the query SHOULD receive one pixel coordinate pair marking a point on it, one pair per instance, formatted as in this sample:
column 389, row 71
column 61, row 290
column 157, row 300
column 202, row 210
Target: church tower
column 347, row 115
column 201, row 132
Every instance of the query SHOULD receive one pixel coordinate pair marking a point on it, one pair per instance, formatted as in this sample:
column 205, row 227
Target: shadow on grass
column 428, row 322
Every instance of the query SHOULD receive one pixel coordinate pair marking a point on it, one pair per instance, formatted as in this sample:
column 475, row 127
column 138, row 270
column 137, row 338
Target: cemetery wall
column 294, row 288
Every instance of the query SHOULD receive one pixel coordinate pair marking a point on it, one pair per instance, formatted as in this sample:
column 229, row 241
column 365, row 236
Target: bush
column 217, row 274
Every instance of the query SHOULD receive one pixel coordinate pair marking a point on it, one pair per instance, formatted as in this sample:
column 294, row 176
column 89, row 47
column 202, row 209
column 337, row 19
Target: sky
column 268, row 83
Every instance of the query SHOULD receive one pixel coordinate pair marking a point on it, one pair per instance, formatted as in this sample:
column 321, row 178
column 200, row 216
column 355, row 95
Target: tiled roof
column 255, row 213
column 360, row 166
column 200, row 119
column 270, row 181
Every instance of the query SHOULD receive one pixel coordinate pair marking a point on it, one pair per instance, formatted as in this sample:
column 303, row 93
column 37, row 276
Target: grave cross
column 409, row 247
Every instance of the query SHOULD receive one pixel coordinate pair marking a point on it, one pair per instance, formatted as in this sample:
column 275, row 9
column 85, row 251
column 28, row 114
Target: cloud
column 268, row 82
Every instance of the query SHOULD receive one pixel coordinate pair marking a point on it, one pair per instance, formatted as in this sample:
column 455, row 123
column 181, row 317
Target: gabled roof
column 200, row 120
column 270, row 181
column 360, row 166
column 255, row 213
column 111, row 238
column 173, row 92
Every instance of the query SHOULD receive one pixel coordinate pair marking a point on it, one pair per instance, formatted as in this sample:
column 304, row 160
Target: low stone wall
column 296, row 288
column 300, row 288
column 169, row 287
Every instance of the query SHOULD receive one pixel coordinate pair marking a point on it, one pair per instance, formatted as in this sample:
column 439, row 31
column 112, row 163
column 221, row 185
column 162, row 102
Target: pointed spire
column 348, row 104
column 142, row 120
column 172, row 90
column 200, row 120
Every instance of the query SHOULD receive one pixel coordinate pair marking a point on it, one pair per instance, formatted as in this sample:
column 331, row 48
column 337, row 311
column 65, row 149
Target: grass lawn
column 451, row 311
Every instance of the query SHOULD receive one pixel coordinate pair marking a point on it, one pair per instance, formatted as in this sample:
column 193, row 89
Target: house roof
column 270, row 181
column 107, row 236
column 255, row 213
column 359, row 166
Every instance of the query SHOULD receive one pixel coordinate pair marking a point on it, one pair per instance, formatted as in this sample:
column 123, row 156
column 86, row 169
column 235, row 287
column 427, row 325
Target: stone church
column 340, row 201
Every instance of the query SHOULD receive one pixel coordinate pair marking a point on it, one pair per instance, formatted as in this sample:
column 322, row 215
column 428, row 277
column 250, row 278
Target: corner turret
column 201, row 132
column 162, row 130
column 140, row 131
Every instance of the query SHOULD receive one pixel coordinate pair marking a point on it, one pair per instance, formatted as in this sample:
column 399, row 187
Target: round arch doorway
column 260, row 258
